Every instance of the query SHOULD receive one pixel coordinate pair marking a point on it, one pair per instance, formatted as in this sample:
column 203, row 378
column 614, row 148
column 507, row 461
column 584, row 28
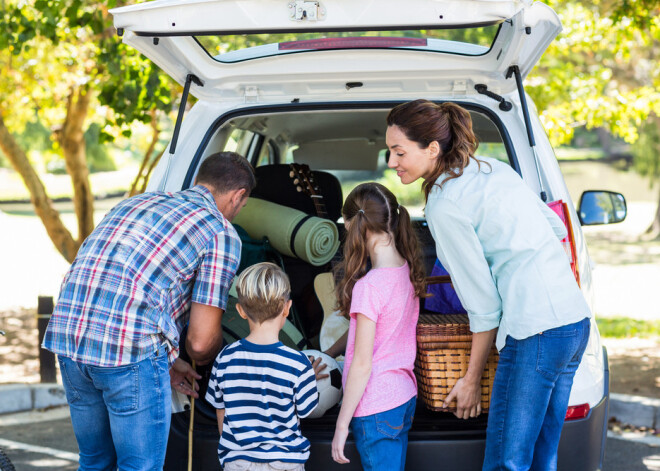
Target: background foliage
column 602, row 72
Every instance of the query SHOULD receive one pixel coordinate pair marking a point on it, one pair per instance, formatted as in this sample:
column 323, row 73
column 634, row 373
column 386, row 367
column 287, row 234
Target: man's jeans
column 120, row 415
column 530, row 397
column 382, row 438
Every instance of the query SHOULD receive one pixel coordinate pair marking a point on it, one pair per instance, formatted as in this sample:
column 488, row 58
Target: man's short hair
column 227, row 171
column 263, row 290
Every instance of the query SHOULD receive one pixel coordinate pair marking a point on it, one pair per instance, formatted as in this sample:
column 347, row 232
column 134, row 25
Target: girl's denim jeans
column 530, row 397
column 120, row 415
column 382, row 439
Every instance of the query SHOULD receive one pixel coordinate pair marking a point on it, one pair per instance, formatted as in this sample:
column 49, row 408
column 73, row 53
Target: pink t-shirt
column 387, row 297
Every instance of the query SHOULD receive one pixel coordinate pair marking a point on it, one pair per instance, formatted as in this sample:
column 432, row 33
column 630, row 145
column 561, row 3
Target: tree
column 62, row 62
column 602, row 71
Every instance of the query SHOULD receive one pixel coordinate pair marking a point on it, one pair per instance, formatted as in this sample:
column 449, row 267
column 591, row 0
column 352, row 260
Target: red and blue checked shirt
column 130, row 288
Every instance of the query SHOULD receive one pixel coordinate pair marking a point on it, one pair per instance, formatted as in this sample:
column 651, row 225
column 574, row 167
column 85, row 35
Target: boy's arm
column 306, row 394
column 221, row 418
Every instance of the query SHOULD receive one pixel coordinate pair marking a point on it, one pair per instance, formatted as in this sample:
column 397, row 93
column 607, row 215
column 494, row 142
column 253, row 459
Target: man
column 155, row 262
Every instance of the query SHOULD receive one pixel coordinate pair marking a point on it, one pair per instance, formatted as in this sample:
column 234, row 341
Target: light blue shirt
column 501, row 246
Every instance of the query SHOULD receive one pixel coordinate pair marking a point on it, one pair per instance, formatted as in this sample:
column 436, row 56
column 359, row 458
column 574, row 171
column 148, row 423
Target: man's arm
column 204, row 338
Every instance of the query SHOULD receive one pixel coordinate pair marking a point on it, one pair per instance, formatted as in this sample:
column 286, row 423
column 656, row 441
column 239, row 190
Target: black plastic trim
column 333, row 106
column 314, row 30
column 190, row 79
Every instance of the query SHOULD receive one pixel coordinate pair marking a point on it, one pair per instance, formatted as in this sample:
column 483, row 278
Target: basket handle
column 433, row 280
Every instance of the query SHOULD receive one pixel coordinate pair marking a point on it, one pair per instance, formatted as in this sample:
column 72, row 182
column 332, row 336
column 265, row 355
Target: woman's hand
column 467, row 393
column 318, row 367
column 182, row 376
column 338, row 442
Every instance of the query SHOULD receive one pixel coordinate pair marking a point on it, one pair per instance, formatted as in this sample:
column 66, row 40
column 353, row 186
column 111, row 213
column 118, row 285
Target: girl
column 500, row 244
column 380, row 389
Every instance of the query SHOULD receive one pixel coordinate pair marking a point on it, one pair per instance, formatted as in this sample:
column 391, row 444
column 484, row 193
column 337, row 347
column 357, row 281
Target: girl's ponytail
column 353, row 265
column 408, row 246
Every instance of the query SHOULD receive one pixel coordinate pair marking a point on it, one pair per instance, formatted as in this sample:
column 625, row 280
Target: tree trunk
column 43, row 206
column 145, row 182
column 141, row 175
column 605, row 140
column 653, row 230
column 71, row 139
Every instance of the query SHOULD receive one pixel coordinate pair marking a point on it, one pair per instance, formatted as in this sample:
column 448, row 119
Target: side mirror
column 601, row 207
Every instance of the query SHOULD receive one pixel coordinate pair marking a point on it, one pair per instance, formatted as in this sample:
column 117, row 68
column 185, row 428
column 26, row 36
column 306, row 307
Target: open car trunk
column 349, row 145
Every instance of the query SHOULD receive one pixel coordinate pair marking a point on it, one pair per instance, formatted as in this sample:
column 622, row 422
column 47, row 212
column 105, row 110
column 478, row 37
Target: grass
column 624, row 327
column 572, row 153
column 59, row 186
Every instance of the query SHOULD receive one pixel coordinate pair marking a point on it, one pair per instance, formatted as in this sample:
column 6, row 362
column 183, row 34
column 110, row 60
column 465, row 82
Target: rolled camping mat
column 289, row 231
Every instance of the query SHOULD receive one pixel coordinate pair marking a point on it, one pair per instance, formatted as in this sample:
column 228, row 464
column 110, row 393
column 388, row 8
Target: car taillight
column 561, row 209
column 348, row 43
column 577, row 412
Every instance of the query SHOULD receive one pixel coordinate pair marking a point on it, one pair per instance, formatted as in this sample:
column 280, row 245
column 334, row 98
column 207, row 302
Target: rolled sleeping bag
column 291, row 232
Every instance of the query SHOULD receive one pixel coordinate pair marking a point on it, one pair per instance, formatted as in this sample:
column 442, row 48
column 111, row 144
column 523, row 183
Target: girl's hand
column 181, row 378
column 338, row 442
column 468, row 398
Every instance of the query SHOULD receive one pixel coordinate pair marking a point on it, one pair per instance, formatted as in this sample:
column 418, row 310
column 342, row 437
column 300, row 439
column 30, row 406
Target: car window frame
column 335, row 106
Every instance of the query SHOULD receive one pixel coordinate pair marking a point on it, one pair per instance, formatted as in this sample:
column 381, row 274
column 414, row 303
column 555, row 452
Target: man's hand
column 182, row 376
column 318, row 367
column 468, row 398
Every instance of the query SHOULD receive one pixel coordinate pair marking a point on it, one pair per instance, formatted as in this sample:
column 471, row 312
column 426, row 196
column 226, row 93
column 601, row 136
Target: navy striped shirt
column 265, row 390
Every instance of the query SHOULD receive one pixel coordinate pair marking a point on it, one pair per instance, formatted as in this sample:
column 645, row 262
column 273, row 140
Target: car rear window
column 473, row 41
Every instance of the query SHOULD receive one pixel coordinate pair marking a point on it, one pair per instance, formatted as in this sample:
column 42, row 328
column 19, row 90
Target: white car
column 319, row 95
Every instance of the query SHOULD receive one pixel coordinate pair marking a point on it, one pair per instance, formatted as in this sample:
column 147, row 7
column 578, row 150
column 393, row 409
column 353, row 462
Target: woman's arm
column 467, row 390
column 356, row 383
column 339, row 347
column 460, row 250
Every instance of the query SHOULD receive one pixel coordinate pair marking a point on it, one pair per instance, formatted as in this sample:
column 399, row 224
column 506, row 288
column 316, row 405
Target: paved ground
column 36, row 444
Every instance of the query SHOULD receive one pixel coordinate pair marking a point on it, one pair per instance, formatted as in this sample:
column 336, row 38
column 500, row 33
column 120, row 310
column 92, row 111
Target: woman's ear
column 434, row 149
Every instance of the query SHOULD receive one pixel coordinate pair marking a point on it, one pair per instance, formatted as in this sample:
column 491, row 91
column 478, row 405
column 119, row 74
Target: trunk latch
column 302, row 10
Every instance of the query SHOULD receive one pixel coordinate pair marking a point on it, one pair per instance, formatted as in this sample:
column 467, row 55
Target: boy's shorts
column 244, row 465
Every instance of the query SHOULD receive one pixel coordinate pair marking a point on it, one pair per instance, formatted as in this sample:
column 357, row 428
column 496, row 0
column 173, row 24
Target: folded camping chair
column 275, row 184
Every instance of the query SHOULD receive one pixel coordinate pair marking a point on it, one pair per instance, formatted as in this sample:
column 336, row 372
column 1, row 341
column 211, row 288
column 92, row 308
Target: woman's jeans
column 382, row 439
column 120, row 415
column 530, row 397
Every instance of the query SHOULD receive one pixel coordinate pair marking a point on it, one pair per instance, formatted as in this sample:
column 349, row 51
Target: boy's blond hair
column 263, row 290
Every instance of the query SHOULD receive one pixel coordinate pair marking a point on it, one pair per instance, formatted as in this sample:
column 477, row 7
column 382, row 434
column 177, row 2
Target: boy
column 260, row 387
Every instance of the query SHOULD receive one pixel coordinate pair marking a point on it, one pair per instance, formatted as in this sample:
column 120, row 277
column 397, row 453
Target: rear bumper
column 581, row 447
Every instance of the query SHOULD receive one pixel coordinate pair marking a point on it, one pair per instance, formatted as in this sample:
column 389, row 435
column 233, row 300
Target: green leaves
column 602, row 71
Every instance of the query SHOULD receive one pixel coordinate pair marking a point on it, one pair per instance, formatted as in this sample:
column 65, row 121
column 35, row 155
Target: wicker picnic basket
column 443, row 352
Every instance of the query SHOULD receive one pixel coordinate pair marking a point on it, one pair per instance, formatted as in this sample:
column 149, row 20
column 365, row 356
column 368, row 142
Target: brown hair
column 263, row 289
column 227, row 171
column 423, row 122
column 371, row 206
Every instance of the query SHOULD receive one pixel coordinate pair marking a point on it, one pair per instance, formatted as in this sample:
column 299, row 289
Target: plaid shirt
column 130, row 288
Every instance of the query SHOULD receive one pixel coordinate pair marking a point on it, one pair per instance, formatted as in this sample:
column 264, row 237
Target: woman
column 501, row 245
